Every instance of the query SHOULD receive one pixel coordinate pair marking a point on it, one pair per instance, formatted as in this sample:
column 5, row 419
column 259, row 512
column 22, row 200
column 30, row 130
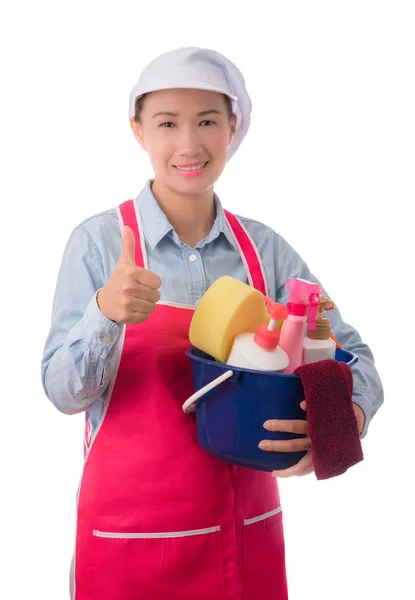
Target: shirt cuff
column 366, row 406
column 99, row 333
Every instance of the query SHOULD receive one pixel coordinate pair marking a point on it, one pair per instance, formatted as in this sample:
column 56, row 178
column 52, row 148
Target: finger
column 141, row 306
column 142, row 292
column 148, row 278
column 303, row 405
column 297, row 445
column 127, row 255
column 136, row 317
column 297, row 426
column 303, row 467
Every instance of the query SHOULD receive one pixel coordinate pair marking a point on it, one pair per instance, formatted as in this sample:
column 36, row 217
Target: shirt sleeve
column 79, row 356
column 367, row 387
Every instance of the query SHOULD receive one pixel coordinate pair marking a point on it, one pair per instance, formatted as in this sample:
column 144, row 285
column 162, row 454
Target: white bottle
column 318, row 345
column 259, row 351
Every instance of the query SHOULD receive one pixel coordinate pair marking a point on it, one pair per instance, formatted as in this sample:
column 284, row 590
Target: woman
column 158, row 517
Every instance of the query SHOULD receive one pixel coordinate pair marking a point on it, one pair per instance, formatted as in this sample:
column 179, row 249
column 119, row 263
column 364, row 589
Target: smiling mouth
column 191, row 168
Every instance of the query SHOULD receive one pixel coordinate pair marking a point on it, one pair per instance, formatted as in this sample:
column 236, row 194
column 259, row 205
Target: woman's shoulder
column 266, row 238
column 100, row 225
column 105, row 217
column 98, row 237
column 260, row 232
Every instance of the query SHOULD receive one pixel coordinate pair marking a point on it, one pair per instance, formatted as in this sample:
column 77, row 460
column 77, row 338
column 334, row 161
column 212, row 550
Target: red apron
column 158, row 517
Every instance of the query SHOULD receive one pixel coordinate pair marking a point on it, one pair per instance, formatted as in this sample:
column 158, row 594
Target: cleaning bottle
column 301, row 294
column 259, row 351
column 317, row 344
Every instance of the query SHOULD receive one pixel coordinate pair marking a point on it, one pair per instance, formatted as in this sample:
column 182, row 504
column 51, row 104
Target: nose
column 190, row 142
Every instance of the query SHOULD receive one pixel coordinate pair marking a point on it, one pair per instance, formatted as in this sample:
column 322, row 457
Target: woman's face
column 182, row 128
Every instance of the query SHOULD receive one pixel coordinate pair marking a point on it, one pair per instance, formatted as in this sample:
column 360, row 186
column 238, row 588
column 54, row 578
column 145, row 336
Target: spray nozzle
column 322, row 329
column 303, row 293
column 267, row 336
column 325, row 304
column 277, row 312
column 322, row 305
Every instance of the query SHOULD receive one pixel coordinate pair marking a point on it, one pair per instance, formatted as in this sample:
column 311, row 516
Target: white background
column 328, row 162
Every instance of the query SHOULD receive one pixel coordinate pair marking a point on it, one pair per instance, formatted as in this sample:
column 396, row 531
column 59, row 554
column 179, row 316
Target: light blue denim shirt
column 79, row 361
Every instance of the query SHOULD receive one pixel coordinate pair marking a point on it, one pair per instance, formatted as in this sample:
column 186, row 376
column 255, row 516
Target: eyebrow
column 203, row 113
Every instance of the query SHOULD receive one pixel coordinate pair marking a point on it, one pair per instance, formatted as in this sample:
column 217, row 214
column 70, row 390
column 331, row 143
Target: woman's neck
column 191, row 216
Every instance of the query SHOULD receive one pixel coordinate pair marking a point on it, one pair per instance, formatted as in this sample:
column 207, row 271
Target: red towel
column 332, row 425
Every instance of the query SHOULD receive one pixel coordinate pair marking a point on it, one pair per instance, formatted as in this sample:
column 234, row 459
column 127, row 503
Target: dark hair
column 139, row 103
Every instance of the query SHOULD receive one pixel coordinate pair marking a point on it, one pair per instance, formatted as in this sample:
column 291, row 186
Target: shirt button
column 192, row 257
column 107, row 339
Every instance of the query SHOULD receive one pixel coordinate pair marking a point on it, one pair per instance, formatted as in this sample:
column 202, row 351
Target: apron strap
column 127, row 216
column 249, row 254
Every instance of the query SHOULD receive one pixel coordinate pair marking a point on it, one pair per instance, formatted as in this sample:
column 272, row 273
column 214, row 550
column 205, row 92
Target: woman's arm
column 368, row 390
column 79, row 358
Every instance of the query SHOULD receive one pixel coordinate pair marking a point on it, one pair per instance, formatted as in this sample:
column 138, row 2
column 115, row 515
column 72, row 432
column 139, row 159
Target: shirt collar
column 156, row 225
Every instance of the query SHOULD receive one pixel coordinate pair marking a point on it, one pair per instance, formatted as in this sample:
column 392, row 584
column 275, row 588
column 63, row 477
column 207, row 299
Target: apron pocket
column 181, row 565
column 264, row 557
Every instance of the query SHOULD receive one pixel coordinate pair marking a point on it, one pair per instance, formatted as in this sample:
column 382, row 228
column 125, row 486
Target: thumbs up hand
column 131, row 293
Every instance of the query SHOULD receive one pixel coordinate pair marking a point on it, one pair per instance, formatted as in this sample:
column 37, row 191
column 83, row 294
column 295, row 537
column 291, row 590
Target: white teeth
column 191, row 168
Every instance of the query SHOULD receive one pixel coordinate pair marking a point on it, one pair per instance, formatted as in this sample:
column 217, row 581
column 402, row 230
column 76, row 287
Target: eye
column 167, row 124
column 208, row 122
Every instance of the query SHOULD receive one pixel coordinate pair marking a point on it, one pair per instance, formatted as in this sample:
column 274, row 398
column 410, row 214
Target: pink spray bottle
column 301, row 293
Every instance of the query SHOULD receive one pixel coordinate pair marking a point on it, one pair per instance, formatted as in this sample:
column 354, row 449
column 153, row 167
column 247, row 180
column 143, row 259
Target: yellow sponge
column 228, row 308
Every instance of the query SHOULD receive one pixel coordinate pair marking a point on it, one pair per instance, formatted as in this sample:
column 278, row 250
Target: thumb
column 127, row 255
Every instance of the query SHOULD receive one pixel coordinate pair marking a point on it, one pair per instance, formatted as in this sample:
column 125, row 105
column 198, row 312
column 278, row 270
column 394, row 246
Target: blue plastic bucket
column 230, row 416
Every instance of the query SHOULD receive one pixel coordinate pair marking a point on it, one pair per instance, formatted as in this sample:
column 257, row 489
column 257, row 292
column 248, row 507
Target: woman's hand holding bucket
column 305, row 465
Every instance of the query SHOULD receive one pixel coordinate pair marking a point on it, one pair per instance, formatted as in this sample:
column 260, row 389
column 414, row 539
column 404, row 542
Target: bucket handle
column 353, row 360
column 189, row 405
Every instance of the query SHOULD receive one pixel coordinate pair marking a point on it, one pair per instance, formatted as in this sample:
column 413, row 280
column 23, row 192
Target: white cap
column 201, row 69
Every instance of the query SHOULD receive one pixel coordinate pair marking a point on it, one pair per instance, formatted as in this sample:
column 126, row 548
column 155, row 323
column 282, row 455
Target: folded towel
column 332, row 425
